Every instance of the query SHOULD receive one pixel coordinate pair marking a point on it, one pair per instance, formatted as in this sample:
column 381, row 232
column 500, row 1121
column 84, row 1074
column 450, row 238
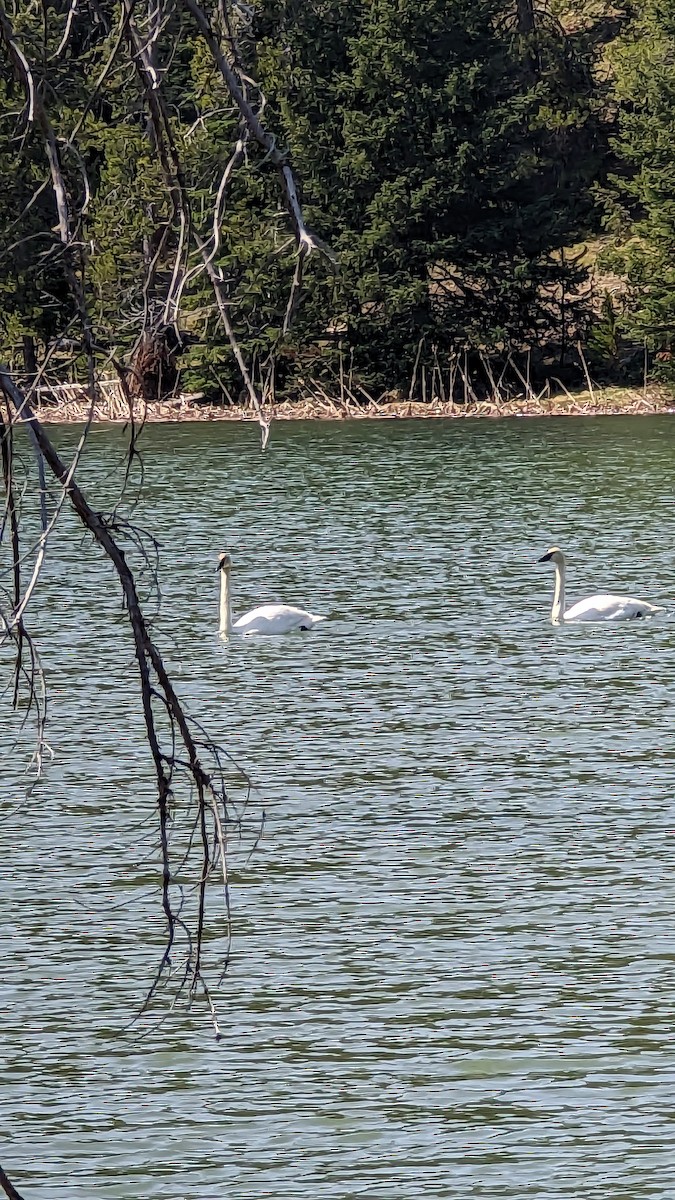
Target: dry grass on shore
column 74, row 406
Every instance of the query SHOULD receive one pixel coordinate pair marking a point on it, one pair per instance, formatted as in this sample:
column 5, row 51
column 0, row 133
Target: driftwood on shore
column 70, row 403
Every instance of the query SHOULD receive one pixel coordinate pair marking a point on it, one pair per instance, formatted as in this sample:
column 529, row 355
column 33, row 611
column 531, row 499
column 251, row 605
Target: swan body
column 275, row 618
column 268, row 618
column 595, row 608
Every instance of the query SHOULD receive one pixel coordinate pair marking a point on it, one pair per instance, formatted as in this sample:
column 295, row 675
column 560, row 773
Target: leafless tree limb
column 264, row 138
column 217, row 282
column 66, row 33
column 296, row 288
column 236, row 159
column 156, row 686
column 20, row 62
column 112, row 57
column 172, row 170
column 8, row 1187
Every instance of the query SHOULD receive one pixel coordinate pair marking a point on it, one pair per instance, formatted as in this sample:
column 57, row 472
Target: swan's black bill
column 545, row 558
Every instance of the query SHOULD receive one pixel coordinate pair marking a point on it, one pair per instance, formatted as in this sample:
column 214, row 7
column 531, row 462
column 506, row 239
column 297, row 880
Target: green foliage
column 442, row 172
column 444, row 155
column 33, row 293
column 640, row 201
column 604, row 336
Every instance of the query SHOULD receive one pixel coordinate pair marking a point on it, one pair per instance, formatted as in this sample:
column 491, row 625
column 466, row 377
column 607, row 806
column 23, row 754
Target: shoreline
column 601, row 402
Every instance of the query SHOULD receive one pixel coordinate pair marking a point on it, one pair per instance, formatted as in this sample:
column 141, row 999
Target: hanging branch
column 235, row 161
column 181, row 754
column 66, row 227
column 304, row 237
column 143, row 51
column 306, row 241
column 172, row 171
column 8, row 1187
column 296, row 288
column 217, row 283
column 15, row 627
column 12, row 625
column 20, row 64
column 188, row 769
column 209, row 789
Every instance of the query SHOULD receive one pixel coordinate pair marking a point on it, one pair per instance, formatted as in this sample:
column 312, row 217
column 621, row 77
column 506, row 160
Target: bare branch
column 296, row 288
column 38, row 113
column 66, row 33
column 8, row 1187
column 209, row 790
column 217, row 282
column 20, row 62
column 236, row 159
column 310, row 241
column 173, row 174
column 102, row 77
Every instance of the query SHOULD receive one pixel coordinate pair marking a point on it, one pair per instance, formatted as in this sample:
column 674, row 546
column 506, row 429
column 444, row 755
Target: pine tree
column 446, row 163
column 641, row 198
column 444, row 147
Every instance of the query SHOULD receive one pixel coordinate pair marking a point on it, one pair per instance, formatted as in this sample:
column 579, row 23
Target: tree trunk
column 527, row 28
column 29, row 357
column 525, row 15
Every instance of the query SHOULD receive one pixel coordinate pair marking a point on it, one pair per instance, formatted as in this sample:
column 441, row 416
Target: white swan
column 269, row 618
column 595, row 608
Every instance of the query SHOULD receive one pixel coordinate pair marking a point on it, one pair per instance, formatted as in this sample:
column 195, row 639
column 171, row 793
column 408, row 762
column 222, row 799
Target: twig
column 645, row 369
column 414, row 372
column 586, row 373
column 217, row 284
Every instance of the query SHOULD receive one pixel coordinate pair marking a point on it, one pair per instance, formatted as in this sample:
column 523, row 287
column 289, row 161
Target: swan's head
column 554, row 555
column 224, row 563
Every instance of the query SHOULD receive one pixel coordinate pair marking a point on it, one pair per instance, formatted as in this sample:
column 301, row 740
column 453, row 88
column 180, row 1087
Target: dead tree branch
column 8, row 1187
column 264, row 138
column 156, row 686
column 306, row 241
column 174, row 177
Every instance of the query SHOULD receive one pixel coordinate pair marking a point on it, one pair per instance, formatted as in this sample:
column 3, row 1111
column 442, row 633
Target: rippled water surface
column 454, row 960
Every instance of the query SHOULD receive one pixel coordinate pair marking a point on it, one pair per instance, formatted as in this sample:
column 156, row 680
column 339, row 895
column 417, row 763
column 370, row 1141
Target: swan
column 268, row 618
column 595, row 608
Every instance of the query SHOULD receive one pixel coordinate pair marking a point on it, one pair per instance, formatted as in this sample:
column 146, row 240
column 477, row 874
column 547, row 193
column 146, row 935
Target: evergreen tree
column 445, row 150
column 36, row 303
column 641, row 199
column 445, row 162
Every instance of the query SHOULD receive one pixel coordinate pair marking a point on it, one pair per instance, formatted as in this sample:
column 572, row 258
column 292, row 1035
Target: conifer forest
column 237, row 198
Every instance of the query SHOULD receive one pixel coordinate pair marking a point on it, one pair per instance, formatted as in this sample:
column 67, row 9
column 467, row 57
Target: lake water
column 453, row 971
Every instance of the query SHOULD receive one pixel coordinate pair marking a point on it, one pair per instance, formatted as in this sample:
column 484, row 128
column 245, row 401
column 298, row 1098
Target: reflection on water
column 454, row 965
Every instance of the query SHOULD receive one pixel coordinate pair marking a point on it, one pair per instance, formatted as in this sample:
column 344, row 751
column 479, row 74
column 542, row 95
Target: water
column 454, row 958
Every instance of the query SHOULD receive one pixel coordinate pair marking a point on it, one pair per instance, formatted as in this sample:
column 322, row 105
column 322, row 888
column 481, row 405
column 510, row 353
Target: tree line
column 476, row 182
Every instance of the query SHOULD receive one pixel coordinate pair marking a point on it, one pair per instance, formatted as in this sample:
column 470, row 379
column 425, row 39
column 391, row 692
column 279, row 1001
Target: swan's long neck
column 225, row 604
column 558, row 610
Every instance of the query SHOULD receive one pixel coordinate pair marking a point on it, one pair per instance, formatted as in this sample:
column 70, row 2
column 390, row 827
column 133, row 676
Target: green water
column 454, row 959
